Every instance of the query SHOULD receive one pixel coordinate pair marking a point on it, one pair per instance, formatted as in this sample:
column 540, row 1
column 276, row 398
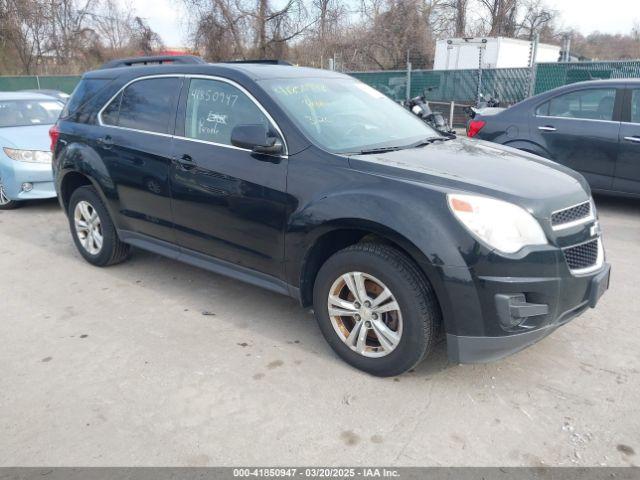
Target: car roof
column 253, row 71
column 607, row 81
column 25, row 96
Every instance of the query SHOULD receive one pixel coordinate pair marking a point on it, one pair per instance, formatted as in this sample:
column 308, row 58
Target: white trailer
column 497, row 52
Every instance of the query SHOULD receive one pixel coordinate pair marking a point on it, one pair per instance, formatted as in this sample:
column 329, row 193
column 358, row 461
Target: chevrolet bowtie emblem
column 595, row 230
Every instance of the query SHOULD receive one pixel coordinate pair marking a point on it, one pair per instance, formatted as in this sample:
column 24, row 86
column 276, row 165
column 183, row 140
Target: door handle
column 106, row 141
column 185, row 162
column 547, row 128
column 632, row 139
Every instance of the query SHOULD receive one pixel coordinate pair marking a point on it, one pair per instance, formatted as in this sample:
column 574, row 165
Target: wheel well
column 327, row 245
column 70, row 183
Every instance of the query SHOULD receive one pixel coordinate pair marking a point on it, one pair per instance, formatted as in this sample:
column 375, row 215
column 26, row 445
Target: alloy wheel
column 4, row 200
column 365, row 314
column 88, row 227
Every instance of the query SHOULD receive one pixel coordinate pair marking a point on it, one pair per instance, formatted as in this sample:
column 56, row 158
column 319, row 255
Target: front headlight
column 501, row 225
column 31, row 156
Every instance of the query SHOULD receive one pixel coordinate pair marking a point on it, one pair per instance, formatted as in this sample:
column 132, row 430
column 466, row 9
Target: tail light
column 474, row 127
column 54, row 134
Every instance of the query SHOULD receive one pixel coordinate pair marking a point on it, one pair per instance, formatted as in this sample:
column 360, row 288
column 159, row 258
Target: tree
column 144, row 39
column 537, row 19
column 459, row 9
column 25, row 28
column 114, row 26
column 501, row 19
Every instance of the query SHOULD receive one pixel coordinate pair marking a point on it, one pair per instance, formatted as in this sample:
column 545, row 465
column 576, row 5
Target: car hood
column 461, row 164
column 31, row 137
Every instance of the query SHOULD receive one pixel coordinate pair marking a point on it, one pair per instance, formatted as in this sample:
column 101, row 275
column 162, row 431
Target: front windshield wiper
column 427, row 141
column 421, row 143
column 368, row 151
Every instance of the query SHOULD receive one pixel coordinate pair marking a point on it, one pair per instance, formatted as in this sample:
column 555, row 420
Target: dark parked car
column 592, row 127
column 312, row 184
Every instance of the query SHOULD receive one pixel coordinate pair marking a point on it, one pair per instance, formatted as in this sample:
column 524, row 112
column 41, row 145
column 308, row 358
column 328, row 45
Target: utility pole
column 408, row 93
column 481, row 48
column 533, row 53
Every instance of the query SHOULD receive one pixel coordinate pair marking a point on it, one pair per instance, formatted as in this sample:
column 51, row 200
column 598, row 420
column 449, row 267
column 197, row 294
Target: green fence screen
column 553, row 75
column 510, row 85
column 64, row 83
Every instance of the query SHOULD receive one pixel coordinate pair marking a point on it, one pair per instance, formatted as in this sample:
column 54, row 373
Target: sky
column 167, row 17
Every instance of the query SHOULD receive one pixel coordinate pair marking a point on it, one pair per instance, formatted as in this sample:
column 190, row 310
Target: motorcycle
column 485, row 105
column 420, row 107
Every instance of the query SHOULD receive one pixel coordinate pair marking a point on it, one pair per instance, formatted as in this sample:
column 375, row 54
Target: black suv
column 312, row 184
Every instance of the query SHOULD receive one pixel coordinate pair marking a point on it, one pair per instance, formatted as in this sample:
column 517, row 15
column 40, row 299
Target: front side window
column 147, row 105
column 635, row 106
column 20, row 113
column 591, row 104
column 214, row 108
column 344, row 115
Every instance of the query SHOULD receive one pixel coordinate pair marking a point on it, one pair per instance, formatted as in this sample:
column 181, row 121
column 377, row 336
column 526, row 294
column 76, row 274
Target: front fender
column 415, row 218
column 424, row 222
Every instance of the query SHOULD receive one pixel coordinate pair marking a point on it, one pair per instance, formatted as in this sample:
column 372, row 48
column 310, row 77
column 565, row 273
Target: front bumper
column 13, row 174
column 540, row 305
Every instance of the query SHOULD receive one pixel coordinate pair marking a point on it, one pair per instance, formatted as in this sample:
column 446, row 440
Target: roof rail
column 266, row 62
column 153, row 60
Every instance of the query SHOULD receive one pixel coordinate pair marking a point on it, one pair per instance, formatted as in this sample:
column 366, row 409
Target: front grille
column 571, row 214
column 582, row 256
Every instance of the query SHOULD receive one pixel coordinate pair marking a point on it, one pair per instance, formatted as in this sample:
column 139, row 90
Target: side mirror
column 256, row 137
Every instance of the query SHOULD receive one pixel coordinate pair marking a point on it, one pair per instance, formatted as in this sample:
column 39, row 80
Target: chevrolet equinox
column 314, row 185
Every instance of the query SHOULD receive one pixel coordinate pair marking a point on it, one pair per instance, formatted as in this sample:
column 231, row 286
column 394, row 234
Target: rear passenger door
column 135, row 146
column 228, row 202
column 627, row 178
column 579, row 129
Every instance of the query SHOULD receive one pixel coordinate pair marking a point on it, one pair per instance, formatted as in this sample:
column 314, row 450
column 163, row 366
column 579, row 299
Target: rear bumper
column 14, row 174
column 480, row 349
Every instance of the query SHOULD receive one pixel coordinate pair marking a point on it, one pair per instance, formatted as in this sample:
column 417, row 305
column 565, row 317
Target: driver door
column 228, row 202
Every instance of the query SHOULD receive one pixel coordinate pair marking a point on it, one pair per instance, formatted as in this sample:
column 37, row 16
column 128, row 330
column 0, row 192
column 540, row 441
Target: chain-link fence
column 553, row 75
column 64, row 83
column 509, row 85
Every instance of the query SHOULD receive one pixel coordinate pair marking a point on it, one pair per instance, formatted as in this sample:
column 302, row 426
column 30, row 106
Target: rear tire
column 394, row 339
column 93, row 230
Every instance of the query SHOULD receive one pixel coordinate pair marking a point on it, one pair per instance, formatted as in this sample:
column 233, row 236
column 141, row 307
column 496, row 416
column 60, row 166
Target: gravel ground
column 157, row 363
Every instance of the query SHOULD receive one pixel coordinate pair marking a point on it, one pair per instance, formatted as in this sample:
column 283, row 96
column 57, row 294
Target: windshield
column 344, row 115
column 19, row 113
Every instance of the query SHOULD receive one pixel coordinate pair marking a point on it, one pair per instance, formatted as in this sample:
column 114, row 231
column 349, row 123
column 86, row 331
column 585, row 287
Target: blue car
column 25, row 156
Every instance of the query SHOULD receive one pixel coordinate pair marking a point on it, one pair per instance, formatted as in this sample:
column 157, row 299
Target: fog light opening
column 26, row 187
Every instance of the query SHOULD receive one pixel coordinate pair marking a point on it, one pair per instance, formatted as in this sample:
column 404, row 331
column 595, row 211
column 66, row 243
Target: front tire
column 376, row 309
column 93, row 230
column 5, row 202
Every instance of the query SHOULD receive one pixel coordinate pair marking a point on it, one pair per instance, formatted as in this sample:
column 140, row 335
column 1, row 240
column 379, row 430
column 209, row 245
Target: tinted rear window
column 83, row 92
column 147, row 105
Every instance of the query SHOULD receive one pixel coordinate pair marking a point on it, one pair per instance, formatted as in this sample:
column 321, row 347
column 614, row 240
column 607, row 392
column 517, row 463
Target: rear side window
column 147, row 105
column 592, row 104
column 215, row 107
column 83, row 92
column 635, row 106
column 543, row 109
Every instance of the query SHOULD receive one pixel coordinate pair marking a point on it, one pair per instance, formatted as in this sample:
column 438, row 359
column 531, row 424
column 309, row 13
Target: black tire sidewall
column 12, row 205
column 413, row 344
column 89, row 195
